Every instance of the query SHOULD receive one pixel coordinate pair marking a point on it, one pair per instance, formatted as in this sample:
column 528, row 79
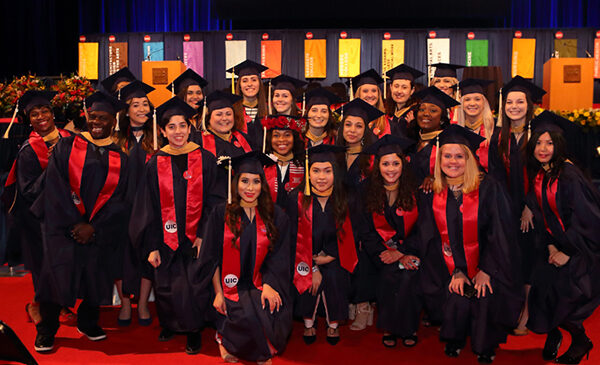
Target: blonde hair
column 379, row 122
column 488, row 117
column 436, row 79
column 472, row 176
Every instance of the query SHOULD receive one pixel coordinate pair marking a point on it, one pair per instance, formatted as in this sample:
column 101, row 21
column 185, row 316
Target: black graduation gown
column 248, row 329
column 487, row 319
column 514, row 179
column 336, row 280
column 420, row 161
column 398, row 126
column 181, row 301
column 255, row 131
column 567, row 294
column 71, row 270
column 283, row 183
column 398, row 290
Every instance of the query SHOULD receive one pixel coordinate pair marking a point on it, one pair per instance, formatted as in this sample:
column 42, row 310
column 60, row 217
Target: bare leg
column 522, row 326
column 145, row 287
column 125, row 311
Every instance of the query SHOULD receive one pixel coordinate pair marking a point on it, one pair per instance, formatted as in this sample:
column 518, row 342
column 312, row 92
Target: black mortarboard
column 520, row 84
column 100, row 101
column 360, row 108
column 248, row 68
column 550, row 122
column 187, row 78
column 251, row 163
column 325, row 153
column 171, row 107
column 404, row 72
column 471, row 86
column 135, row 89
column 219, row 99
column 285, row 82
column 320, row 96
column 110, row 82
column 433, row 95
column 33, row 98
column 389, row 144
column 446, row 70
column 460, row 135
column 370, row 77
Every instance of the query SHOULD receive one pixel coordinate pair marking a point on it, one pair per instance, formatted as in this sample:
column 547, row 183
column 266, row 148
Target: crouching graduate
column 83, row 207
column 246, row 249
column 477, row 243
column 169, row 214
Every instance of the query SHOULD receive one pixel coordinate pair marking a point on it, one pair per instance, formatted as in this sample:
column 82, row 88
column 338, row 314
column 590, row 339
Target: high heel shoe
column 309, row 339
column 364, row 315
column 553, row 342
column 576, row 352
column 33, row 312
column 333, row 335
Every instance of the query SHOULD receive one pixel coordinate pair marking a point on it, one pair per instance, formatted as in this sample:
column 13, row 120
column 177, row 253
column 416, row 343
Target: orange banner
column 315, row 58
column 523, row 57
column 597, row 58
column 270, row 56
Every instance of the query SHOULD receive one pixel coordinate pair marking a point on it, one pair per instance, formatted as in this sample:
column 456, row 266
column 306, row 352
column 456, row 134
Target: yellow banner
column 349, row 59
column 88, row 60
column 523, row 57
column 392, row 54
column 315, row 58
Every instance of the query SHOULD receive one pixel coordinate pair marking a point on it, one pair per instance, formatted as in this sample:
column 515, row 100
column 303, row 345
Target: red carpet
column 139, row 345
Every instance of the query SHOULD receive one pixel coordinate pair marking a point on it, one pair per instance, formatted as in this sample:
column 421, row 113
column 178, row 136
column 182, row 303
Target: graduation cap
column 251, row 163
column 520, row 84
column 404, row 72
column 102, row 102
column 285, row 82
column 550, row 122
column 187, row 78
column 360, row 108
column 171, row 107
column 135, row 89
column 113, row 80
column 33, row 98
column 446, row 69
column 389, row 144
column 219, row 99
column 472, row 86
column 324, row 153
column 370, row 77
column 320, row 96
column 460, row 135
column 433, row 95
column 248, row 67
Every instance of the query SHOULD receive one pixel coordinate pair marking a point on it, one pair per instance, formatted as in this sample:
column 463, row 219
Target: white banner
column 438, row 51
column 235, row 52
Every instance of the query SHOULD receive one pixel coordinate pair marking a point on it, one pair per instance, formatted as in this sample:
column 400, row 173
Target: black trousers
column 87, row 317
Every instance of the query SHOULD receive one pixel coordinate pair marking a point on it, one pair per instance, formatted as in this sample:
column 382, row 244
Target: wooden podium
column 569, row 83
column 159, row 74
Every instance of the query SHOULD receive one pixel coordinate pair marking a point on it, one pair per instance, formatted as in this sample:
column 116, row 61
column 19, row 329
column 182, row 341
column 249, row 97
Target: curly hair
column 406, row 188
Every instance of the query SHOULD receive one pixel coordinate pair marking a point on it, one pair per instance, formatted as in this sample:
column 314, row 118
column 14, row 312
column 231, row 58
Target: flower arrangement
column 588, row 119
column 68, row 102
column 11, row 92
column 281, row 121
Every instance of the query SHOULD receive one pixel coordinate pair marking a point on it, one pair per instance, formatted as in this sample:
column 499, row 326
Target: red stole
column 507, row 166
column 432, row 156
column 469, row 209
column 247, row 120
column 41, row 151
column 346, row 247
column 482, row 151
column 232, row 262
column 551, row 191
column 76, row 164
column 295, row 173
column 193, row 207
column 208, row 142
column 271, row 177
column 386, row 231
column 387, row 129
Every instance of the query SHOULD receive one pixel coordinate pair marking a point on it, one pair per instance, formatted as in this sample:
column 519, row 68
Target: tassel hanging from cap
column 456, row 110
column 229, row 172
column 154, row 131
column 303, row 103
column 85, row 112
column 385, row 77
column 528, row 131
column 437, row 151
column 270, row 99
column 500, row 109
column 429, row 75
column 306, row 179
column 264, row 147
column 12, row 120
column 203, row 118
column 351, row 91
column 172, row 89
column 117, row 128
column 233, row 80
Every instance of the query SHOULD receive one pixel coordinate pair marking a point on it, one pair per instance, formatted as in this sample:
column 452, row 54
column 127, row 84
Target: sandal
column 226, row 356
column 333, row 335
column 389, row 340
column 410, row 341
column 310, row 335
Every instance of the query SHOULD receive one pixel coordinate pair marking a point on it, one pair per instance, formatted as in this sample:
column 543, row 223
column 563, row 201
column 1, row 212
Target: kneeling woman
column 168, row 219
column 565, row 289
column 246, row 252
column 325, row 253
column 476, row 240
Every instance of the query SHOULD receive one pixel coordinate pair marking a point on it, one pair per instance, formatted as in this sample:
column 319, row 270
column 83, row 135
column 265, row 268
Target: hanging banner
column 523, row 57
column 154, row 51
column 193, row 56
column 597, row 58
column 477, row 52
column 235, row 52
column 117, row 56
column 565, row 48
column 88, row 60
column 438, row 51
column 349, row 57
column 270, row 56
column 315, row 58
column 392, row 54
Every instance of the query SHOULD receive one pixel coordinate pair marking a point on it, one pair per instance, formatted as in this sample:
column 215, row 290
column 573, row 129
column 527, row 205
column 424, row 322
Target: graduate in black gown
column 283, row 96
column 565, row 289
column 400, row 105
column 113, row 83
column 168, row 220
column 391, row 215
column 321, row 124
column 84, row 211
column 466, row 219
column 285, row 146
column 324, row 244
column 28, row 175
column 246, row 250
column 445, row 78
column 507, row 163
column 366, row 87
column 189, row 87
column 136, row 137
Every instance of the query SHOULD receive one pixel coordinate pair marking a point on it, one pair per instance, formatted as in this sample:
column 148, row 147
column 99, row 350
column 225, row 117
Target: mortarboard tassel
column 229, row 183
column 500, row 109
column 155, row 131
column 117, row 128
column 306, row 179
column 264, row 139
column 428, row 75
column 455, row 115
column 528, row 131
column 233, row 80
column 11, row 121
column 437, row 151
column 173, row 89
column 303, row 103
column 203, row 119
column 351, row 91
column 384, row 86
column 270, row 99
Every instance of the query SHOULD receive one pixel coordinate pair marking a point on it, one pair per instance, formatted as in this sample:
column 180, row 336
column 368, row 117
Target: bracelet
column 315, row 268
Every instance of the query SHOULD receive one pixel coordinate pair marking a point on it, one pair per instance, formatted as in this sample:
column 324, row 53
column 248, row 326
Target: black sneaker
column 43, row 343
column 166, row 335
column 194, row 343
column 94, row 334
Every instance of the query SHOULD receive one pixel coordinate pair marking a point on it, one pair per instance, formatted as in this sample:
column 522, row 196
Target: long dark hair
column 406, row 188
column 265, row 209
column 364, row 161
column 297, row 147
column 123, row 134
column 556, row 162
column 505, row 128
